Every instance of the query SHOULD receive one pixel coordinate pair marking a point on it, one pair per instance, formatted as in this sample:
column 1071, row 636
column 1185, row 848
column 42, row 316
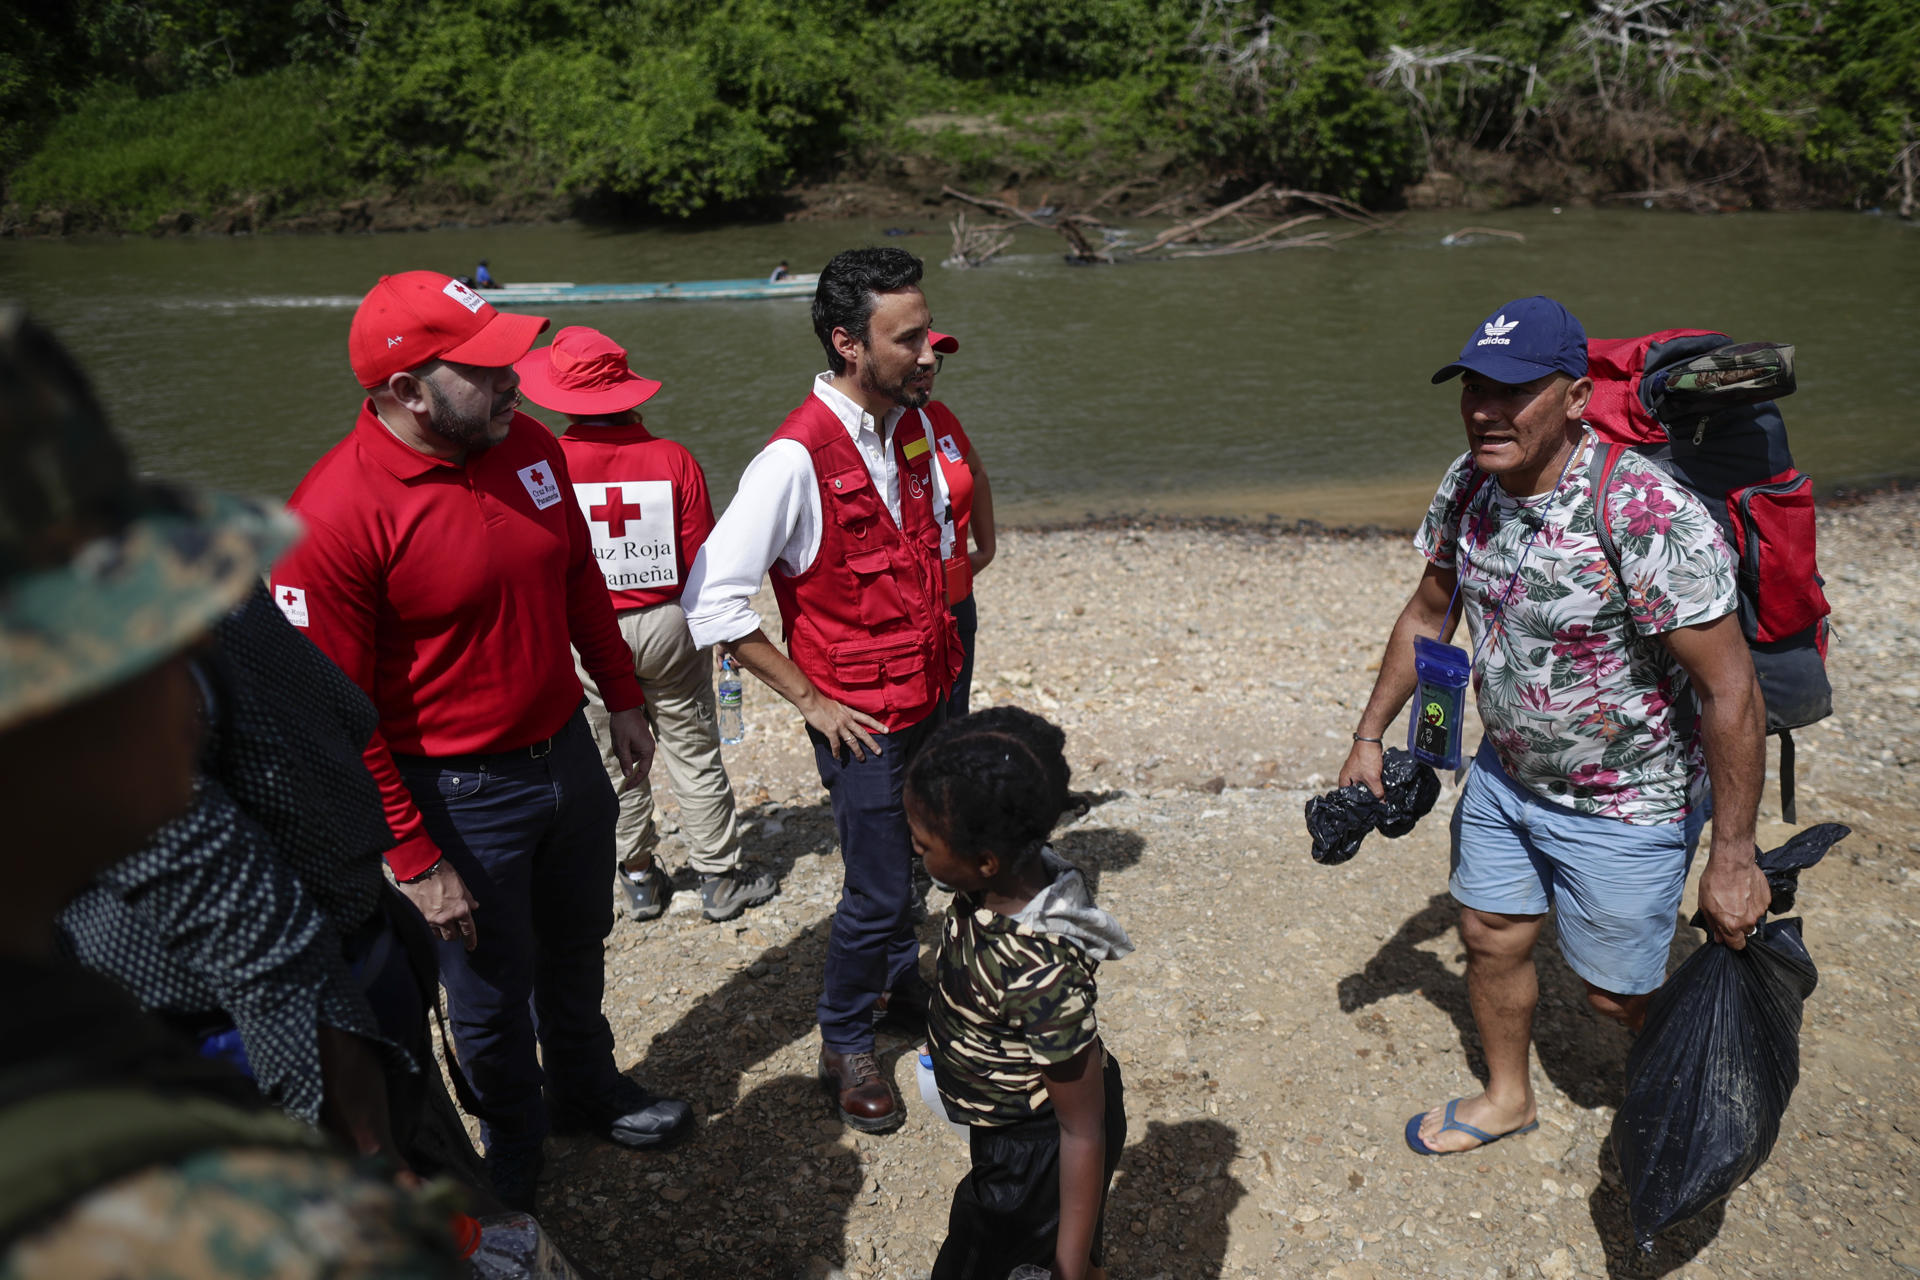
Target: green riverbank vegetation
column 237, row 114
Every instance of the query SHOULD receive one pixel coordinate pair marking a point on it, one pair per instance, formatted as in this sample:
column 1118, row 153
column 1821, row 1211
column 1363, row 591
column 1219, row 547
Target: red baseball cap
column 945, row 343
column 583, row 372
column 417, row 316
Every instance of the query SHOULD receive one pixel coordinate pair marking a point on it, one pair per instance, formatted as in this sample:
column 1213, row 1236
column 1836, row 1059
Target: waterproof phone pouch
column 1439, row 702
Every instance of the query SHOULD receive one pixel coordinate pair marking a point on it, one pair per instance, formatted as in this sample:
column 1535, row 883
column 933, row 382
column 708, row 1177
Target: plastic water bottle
column 733, row 721
column 509, row 1246
column 930, row 1091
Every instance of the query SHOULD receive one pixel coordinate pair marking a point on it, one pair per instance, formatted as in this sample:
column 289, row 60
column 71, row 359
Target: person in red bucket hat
column 648, row 512
column 448, row 571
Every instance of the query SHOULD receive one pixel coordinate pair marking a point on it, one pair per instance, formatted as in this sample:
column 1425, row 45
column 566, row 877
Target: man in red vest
column 840, row 509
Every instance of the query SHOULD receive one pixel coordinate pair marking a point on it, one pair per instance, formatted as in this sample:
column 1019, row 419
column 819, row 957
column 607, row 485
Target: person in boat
column 483, row 278
column 779, row 273
column 1589, row 791
column 130, row 1154
column 967, row 511
column 442, row 503
column 839, row 509
column 648, row 513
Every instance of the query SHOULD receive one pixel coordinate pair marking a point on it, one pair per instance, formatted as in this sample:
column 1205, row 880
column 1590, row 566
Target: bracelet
column 428, row 874
column 1374, row 741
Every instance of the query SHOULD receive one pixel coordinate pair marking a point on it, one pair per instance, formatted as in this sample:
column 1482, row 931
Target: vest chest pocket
column 881, row 604
column 849, row 497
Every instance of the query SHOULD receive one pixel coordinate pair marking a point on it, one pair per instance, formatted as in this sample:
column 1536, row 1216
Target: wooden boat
column 557, row 291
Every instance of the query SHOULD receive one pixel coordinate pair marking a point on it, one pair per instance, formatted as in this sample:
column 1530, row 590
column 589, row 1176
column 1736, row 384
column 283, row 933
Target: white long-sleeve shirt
column 775, row 517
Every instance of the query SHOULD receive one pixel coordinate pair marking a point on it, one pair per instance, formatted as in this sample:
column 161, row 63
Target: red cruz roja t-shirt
column 647, row 508
column 452, row 594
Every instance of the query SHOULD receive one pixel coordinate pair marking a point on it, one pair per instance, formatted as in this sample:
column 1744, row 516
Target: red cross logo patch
column 293, row 603
column 540, row 484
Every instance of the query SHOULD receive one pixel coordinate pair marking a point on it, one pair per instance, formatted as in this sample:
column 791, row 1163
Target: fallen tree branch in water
column 1249, row 211
column 975, row 246
column 1456, row 237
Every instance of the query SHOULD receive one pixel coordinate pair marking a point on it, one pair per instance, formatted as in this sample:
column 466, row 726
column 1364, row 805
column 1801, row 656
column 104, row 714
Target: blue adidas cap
column 1526, row 339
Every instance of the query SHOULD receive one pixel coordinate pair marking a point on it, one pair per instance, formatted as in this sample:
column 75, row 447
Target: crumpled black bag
column 1339, row 820
column 1717, row 1061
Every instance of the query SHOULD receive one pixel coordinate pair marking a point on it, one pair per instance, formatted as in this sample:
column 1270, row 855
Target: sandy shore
column 1280, row 1019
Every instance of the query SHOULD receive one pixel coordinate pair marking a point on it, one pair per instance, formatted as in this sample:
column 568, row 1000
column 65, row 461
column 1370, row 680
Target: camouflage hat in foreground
column 101, row 576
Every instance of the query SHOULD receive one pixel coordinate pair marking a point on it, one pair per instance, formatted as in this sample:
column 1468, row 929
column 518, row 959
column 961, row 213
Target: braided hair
column 995, row 780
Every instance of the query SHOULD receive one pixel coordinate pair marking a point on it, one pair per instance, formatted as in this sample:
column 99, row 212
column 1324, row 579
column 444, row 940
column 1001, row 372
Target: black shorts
column 1007, row 1211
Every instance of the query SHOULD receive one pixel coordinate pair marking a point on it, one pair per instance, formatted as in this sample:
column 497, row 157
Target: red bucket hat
column 583, row 372
column 417, row 316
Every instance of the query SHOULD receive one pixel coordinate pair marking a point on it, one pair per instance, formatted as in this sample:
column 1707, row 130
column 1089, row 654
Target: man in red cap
column 647, row 512
column 449, row 572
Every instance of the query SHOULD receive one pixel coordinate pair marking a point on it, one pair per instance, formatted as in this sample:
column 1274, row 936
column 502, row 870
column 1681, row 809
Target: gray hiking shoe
column 646, row 896
column 726, row 895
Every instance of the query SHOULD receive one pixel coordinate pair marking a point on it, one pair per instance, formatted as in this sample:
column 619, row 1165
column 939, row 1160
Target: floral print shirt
column 1581, row 699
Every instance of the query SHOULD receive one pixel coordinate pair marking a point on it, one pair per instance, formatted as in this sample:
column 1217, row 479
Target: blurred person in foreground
column 1609, row 706
column 647, row 509
column 125, row 1152
column 447, row 570
column 260, row 923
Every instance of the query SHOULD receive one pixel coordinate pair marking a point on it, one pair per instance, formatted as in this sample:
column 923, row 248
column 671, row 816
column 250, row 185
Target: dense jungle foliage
column 117, row 111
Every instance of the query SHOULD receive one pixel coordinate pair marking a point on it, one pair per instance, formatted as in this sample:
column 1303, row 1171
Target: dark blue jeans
column 967, row 618
column 533, row 840
column 872, row 945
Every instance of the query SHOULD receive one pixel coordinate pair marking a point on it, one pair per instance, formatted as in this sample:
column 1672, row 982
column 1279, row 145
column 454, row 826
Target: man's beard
column 902, row 393
column 469, row 431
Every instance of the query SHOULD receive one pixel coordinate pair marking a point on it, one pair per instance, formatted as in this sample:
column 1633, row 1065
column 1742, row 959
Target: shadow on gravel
column 1167, row 1212
column 1097, row 850
column 1607, row 1203
column 1583, row 1054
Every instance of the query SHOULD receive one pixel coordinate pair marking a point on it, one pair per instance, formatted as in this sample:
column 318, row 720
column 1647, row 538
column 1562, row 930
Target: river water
column 1291, row 383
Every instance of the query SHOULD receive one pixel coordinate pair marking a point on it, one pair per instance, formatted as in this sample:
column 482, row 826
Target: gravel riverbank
column 1280, row 1019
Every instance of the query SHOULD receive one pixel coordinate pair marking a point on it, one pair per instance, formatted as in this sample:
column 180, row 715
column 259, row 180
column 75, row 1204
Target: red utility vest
column 868, row 621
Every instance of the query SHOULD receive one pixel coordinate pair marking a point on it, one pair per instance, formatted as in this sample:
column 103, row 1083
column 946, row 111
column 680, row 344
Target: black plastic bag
column 1710, row 1076
column 1339, row 820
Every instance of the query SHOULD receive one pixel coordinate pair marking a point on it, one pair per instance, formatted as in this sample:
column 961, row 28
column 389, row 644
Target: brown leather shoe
column 864, row 1096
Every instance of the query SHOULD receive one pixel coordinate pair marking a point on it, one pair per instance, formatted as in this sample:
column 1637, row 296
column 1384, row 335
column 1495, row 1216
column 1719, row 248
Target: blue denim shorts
column 1614, row 887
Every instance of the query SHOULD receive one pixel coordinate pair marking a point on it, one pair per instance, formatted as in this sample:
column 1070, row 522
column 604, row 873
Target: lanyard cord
column 1466, row 556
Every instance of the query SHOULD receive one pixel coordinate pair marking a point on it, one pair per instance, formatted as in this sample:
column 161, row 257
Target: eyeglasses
column 937, row 360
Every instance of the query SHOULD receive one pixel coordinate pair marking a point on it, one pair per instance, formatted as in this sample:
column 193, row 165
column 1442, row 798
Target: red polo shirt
column 452, row 593
column 646, row 505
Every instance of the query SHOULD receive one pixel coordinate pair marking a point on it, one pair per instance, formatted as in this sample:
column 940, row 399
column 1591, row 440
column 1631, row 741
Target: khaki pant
column 678, row 681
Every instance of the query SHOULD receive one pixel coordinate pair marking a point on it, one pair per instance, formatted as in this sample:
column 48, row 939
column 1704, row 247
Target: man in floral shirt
column 1609, row 704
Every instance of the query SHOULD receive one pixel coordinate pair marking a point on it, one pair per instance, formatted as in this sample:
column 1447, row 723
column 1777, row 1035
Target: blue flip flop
column 1486, row 1139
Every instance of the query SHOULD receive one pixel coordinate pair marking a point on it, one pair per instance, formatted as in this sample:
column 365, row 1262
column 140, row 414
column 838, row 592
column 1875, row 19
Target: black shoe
column 514, row 1172
column 629, row 1116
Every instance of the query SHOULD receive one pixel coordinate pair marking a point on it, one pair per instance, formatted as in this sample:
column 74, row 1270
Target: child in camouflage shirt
column 1016, row 1049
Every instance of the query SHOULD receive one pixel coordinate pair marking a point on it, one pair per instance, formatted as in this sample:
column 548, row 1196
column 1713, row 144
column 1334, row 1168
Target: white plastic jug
column 930, row 1092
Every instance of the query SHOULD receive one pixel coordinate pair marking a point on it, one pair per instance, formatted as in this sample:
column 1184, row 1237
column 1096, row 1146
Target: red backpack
column 1735, row 459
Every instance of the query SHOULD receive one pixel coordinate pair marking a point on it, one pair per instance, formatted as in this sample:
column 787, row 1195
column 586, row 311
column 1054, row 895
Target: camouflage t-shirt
column 1577, row 691
column 240, row 1214
column 1010, row 1000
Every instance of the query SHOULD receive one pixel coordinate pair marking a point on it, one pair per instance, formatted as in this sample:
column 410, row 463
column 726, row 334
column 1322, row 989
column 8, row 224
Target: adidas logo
column 1497, row 330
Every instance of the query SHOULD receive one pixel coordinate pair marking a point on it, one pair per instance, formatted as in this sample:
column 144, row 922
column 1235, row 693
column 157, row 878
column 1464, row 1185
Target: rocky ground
column 1281, row 1019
